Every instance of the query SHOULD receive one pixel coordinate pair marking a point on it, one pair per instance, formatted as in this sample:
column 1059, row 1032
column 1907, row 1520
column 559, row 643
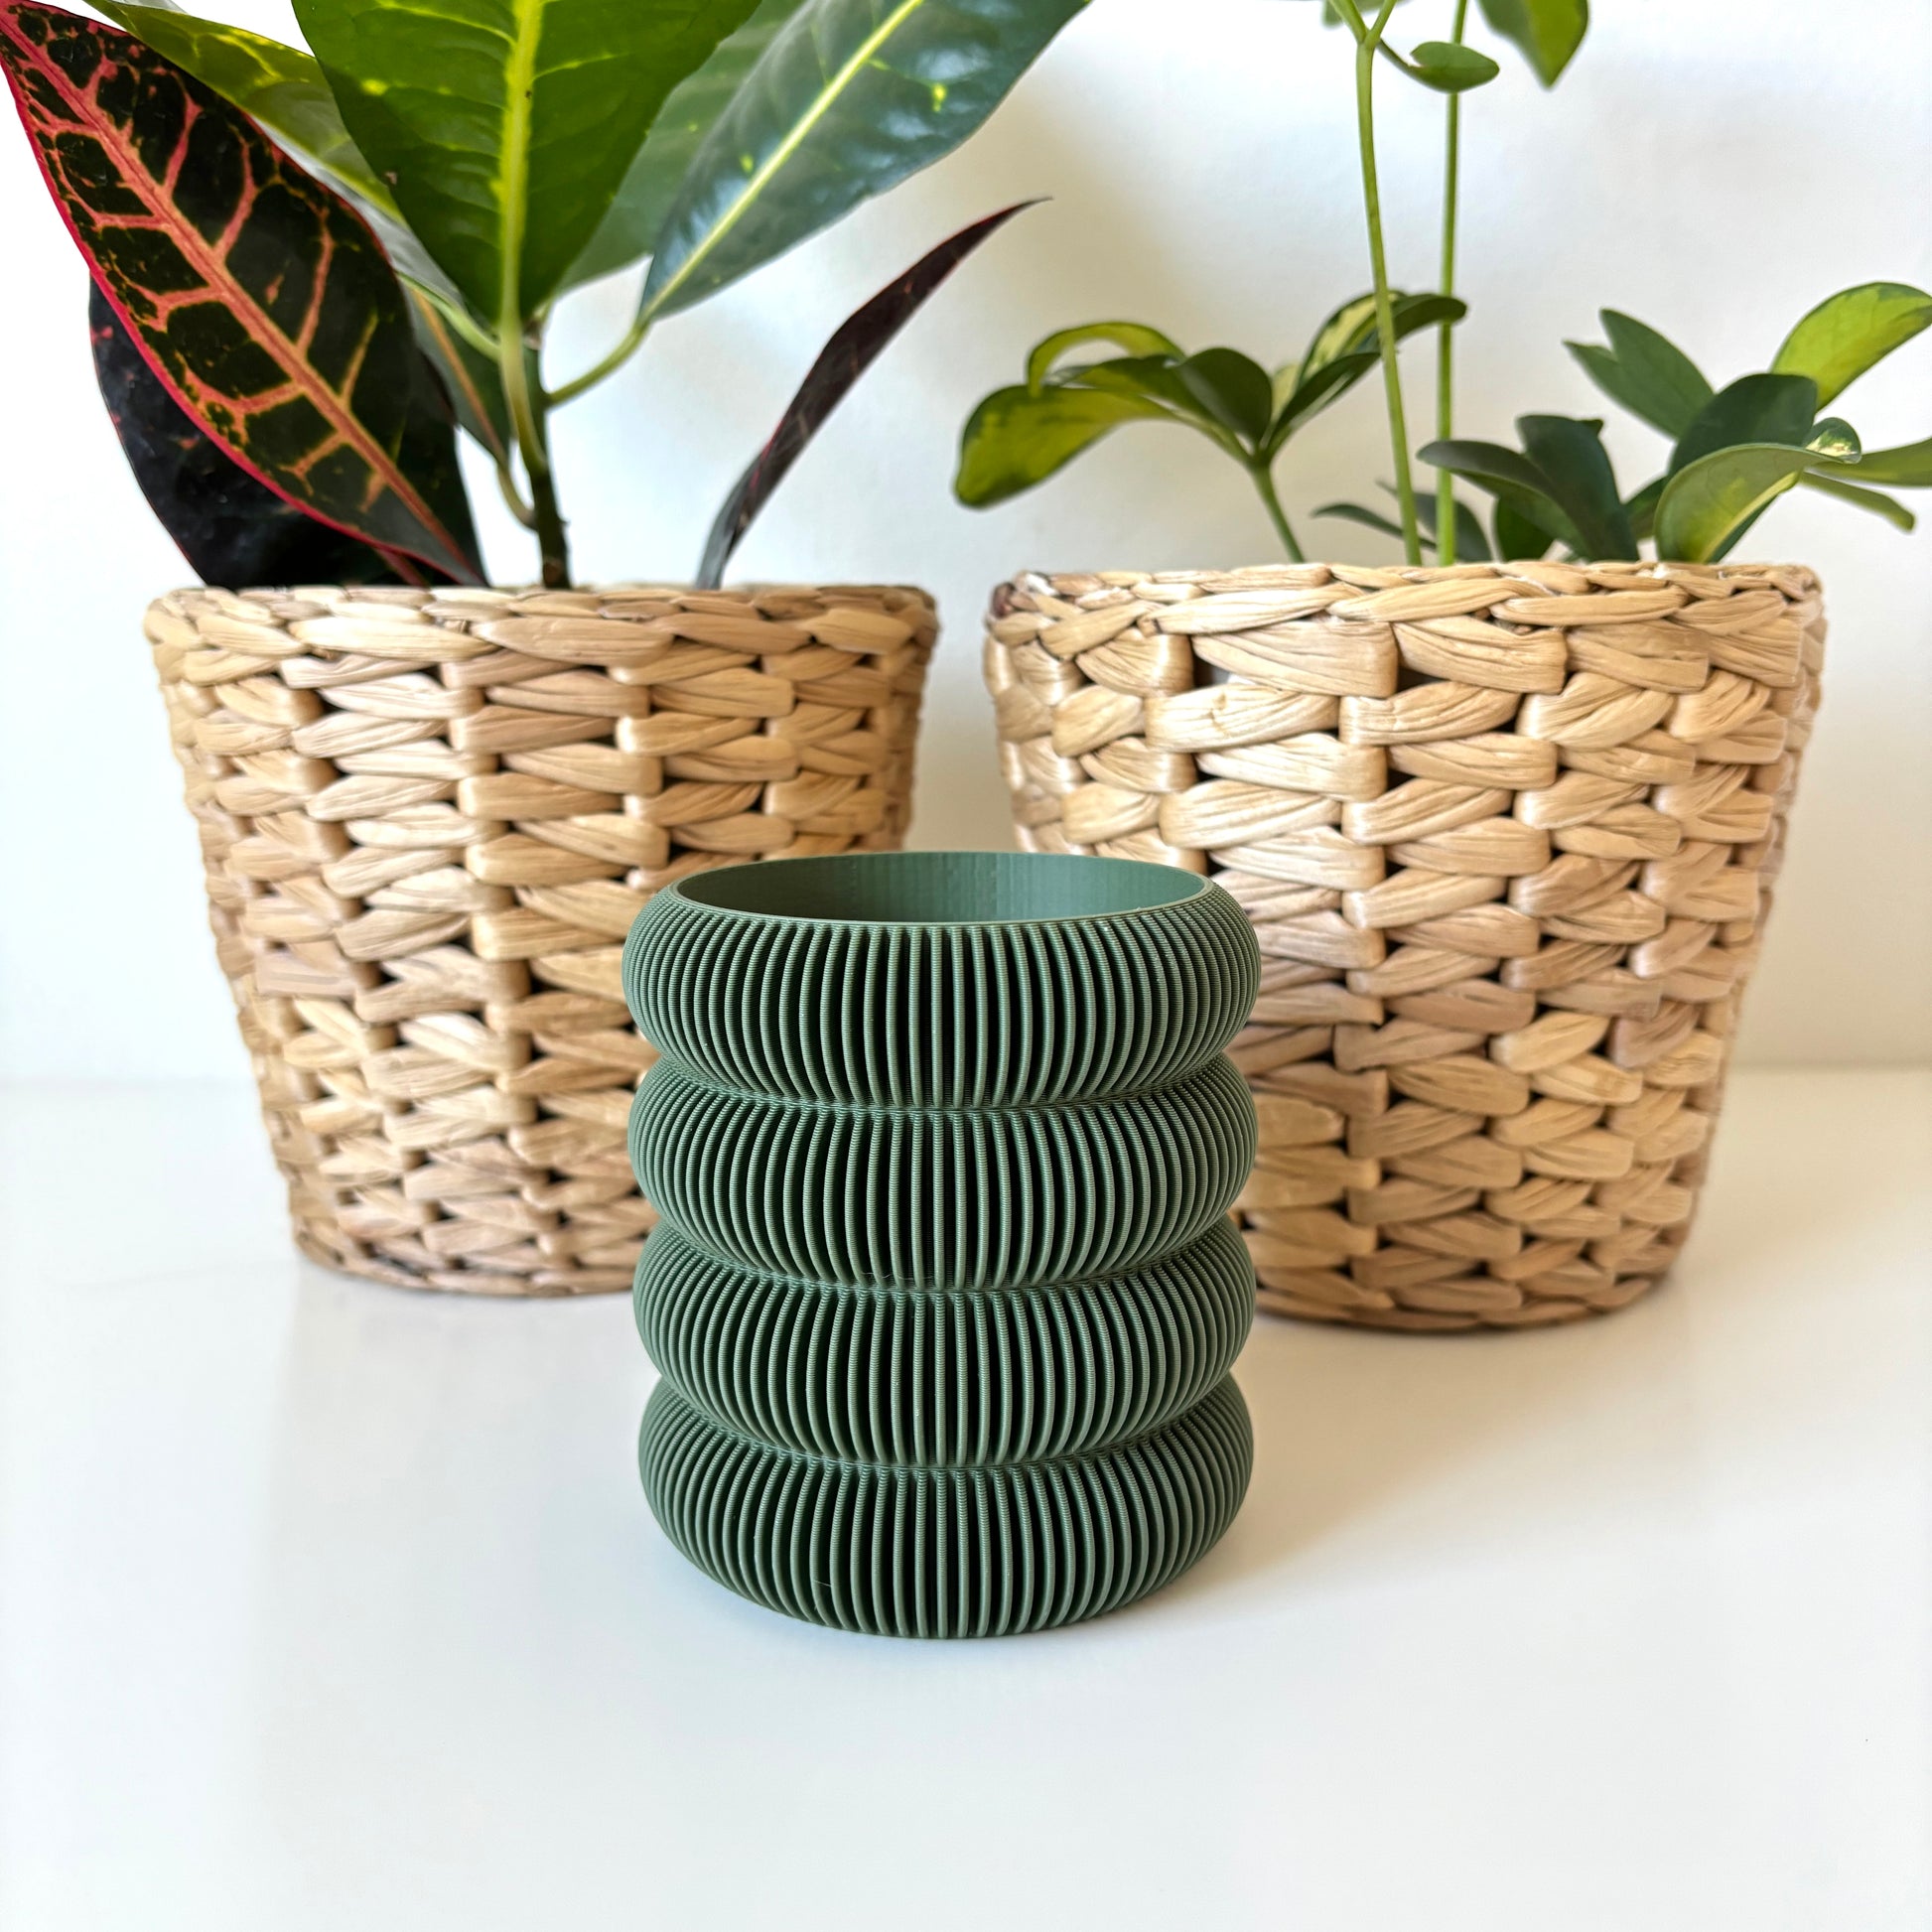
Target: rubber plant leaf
column 258, row 295
column 1546, row 32
column 281, row 87
column 1571, row 454
column 850, row 97
column 855, row 346
column 1710, row 504
column 1018, row 437
column 1850, row 330
column 1646, row 372
column 628, row 230
column 232, row 530
column 1753, row 409
column 507, row 126
column 1136, row 337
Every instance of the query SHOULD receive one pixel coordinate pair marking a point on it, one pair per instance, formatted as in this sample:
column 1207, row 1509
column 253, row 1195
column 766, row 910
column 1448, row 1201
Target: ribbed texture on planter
column 1505, row 834
column 936, row 1364
column 427, row 821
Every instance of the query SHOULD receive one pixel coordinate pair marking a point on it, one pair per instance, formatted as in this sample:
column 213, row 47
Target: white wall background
column 1714, row 169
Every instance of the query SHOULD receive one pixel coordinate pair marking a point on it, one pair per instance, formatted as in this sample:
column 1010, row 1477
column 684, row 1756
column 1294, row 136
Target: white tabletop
column 330, row 1606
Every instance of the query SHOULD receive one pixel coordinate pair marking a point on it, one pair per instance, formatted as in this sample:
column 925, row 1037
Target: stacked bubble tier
column 945, row 1293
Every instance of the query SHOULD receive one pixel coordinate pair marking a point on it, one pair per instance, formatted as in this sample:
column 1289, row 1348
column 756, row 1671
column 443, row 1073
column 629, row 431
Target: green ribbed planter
column 944, row 1294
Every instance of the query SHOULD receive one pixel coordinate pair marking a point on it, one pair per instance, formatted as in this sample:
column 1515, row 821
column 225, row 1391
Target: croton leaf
column 1018, row 436
column 628, row 230
column 232, row 530
column 853, row 350
column 1546, row 32
column 802, row 141
column 258, row 295
column 1753, row 409
column 282, row 87
column 1850, row 330
column 1647, row 373
column 1710, row 504
column 507, row 126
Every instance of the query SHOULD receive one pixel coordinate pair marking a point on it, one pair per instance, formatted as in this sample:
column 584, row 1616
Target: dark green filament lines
column 946, row 1295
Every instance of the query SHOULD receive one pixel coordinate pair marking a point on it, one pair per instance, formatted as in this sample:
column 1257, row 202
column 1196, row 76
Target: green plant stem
column 1445, row 341
column 1272, row 503
column 1367, row 40
column 634, row 341
column 529, row 419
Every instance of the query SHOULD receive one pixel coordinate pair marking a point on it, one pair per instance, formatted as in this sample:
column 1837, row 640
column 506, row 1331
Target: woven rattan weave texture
column 428, row 820
column 1504, row 833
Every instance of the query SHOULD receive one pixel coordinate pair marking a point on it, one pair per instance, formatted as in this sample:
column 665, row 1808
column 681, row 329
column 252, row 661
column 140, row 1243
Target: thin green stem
column 1445, row 341
column 1272, row 503
column 529, row 419
column 633, row 341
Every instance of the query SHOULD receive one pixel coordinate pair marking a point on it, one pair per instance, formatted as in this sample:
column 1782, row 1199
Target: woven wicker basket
column 428, row 820
column 1504, row 833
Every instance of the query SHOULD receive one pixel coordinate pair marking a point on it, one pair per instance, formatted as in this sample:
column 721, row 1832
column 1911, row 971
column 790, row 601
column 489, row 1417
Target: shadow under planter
column 1505, row 834
column 429, row 818
column 946, row 1295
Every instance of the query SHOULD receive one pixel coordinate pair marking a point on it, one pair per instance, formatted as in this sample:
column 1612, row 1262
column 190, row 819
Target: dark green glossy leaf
column 628, row 230
column 1850, row 330
column 1511, row 477
column 844, row 359
column 1232, row 388
column 850, row 97
column 1153, row 378
column 1875, row 501
column 1520, row 538
column 257, row 295
column 233, row 531
column 1649, row 376
column 1546, row 32
column 1908, row 467
column 507, row 126
column 1133, row 336
column 1710, row 504
column 1753, row 409
column 1571, row 454
column 280, row 87
column 1449, row 67
column 1015, row 439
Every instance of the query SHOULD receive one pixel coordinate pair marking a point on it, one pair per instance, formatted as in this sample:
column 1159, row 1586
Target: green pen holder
column 944, row 1295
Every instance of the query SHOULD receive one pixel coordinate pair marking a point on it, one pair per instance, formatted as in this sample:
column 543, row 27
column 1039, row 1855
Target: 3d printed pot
column 944, row 1294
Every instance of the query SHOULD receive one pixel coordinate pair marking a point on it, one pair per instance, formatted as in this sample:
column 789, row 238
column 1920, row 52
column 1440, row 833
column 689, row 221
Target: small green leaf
column 1850, row 330
column 1649, row 376
column 1471, row 546
column 1572, row 455
column 1708, row 506
column 1546, row 32
column 1232, row 388
column 1753, row 409
column 1908, row 467
column 1015, row 439
column 1520, row 538
column 1360, row 513
column 1345, row 348
column 1833, row 437
column 1150, row 379
column 1875, row 501
column 1340, row 331
column 1511, row 477
column 1449, row 68
column 1136, row 337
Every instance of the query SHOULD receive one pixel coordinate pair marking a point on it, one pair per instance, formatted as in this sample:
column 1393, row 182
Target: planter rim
column 1530, row 569
column 1154, row 888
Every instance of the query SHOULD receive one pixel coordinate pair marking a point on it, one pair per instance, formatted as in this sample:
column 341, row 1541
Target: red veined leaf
column 231, row 529
column 843, row 360
column 259, row 298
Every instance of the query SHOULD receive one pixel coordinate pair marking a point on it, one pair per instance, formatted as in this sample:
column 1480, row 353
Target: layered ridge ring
column 946, row 1196
column 1049, row 979
column 938, row 1376
column 979, row 1551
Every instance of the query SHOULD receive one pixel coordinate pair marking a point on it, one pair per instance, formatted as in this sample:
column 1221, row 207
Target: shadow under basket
column 428, row 820
column 1504, row 833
